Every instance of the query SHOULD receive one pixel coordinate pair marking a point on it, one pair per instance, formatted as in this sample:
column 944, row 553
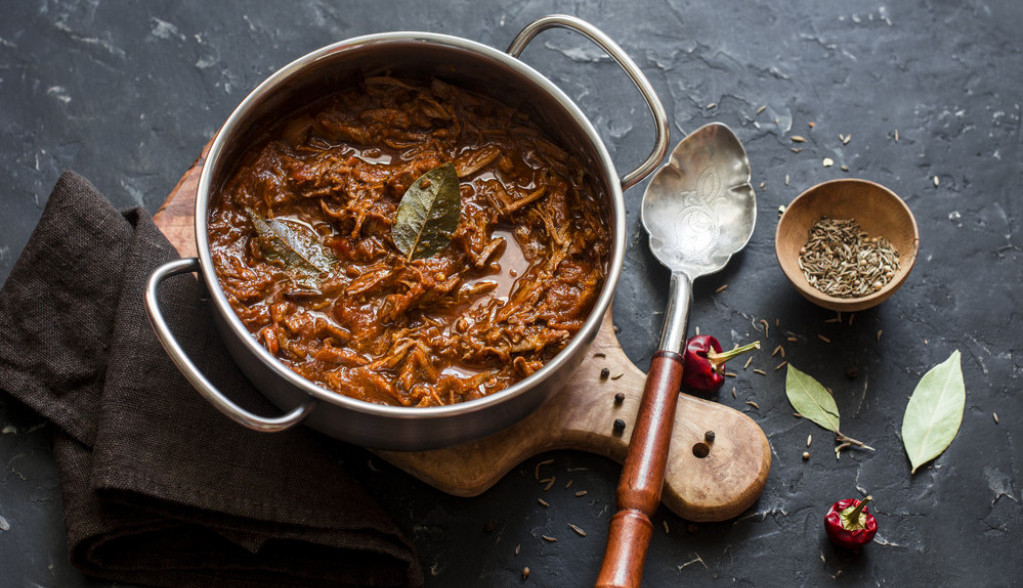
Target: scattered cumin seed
column 549, row 539
column 733, row 392
column 753, row 404
column 795, row 149
column 797, row 139
column 712, row 105
column 834, row 319
column 578, row 469
column 767, row 328
column 759, row 371
column 896, row 135
column 550, row 483
column 697, row 330
column 792, row 339
column 845, row 139
column 780, row 365
column 599, row 354
column 823, row 338
column 581, row 493
column 879, row 334
column 749, row 360
column 844, row 167
column 786, row 179
column 536, row 470
column 776, row 350
column 761, row 109
column 518, row 548
column 730, row 374
column 569, row 485
column 578, row 531
column 666, row 529
column 762, row 184
column 616, row 376
column 936, row 181
column 809, row 438
column 851, row 317
column 994, row 415
column 721, row 288
column 543, row 502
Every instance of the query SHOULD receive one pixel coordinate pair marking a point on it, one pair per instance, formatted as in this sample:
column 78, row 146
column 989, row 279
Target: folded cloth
column 159, row 488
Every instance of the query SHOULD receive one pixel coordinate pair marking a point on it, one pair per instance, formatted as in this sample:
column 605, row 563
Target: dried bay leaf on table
column 934, row 412
column 428, row 213
column 811, row 399
column 293, row 245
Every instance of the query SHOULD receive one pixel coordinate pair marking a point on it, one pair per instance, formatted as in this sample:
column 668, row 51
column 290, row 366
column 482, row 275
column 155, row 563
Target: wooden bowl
column 878, row 210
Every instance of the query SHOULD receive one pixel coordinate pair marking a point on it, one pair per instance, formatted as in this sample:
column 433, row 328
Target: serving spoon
column 698, row 209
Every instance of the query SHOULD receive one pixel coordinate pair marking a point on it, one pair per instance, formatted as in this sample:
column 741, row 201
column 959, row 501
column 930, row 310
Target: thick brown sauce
column 516, row 282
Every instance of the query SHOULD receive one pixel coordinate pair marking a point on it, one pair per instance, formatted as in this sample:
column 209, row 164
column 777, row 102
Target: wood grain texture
column 717, row 487
column 639, row 490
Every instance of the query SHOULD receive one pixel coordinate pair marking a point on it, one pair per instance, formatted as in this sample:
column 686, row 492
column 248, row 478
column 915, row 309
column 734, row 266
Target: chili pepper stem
column 719, row 359
column 852, row 519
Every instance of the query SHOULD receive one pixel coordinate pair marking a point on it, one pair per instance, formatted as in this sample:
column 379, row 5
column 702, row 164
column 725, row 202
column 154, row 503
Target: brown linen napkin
column 158, row 487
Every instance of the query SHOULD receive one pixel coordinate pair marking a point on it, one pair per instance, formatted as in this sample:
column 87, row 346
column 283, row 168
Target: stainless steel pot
column 459, row 61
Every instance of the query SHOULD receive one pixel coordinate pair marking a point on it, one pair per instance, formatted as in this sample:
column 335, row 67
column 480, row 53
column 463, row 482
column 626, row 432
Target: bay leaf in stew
column 291, row 245
column 428, row 213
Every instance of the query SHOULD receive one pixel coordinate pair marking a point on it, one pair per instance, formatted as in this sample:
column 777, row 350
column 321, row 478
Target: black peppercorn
column 619, row 426
column 709, row 436
column 604, row 373
column 619, row 397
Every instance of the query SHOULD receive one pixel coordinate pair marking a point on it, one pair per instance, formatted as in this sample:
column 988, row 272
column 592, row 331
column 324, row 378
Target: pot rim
column 236, row 122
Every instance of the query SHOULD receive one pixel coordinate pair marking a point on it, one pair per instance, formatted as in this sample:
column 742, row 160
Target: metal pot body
column 420, row 55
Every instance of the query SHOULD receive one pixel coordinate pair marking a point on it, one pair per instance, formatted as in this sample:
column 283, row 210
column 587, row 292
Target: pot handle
column 612, row 49
column 192, row 374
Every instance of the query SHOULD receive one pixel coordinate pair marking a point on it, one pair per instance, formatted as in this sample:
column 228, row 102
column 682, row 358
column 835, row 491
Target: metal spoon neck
column 676, row 316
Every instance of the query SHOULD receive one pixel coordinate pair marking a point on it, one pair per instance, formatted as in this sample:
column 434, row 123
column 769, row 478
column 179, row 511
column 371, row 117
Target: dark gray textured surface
column 128, row 93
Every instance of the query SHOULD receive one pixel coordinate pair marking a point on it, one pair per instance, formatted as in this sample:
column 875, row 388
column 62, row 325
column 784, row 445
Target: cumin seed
column 536, row 470
column 578, row 530
column 759, row 371
column 721, row 288
column 753, row 404
column 549, row 539
column 780, row 365
column 581, row 493
column 543, row 502
column 823, row 338
column 749, row 360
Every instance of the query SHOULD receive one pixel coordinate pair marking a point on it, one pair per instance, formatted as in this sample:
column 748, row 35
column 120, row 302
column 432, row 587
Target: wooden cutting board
column 723, row 483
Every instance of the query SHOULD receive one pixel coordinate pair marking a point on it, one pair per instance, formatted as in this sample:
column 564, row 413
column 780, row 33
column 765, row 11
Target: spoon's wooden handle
column 639, row 490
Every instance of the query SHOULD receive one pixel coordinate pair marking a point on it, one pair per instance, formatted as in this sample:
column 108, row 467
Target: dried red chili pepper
column 849, row 524
column 705, row 363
